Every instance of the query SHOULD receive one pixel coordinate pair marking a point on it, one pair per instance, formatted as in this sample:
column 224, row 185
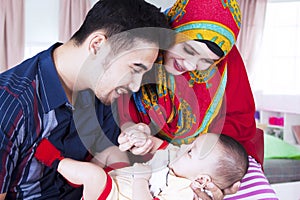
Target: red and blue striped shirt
column 34, row 106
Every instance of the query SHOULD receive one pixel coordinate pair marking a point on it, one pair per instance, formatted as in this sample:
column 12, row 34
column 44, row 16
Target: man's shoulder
column 16, row 80
column 23, row 76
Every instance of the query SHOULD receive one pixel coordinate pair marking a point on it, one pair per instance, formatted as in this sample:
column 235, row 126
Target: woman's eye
column 189, row 51
column 190, row 152
column 209, row 61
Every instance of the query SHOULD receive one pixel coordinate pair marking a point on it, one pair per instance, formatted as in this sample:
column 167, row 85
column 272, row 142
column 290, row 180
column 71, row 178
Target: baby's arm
column 140, row 187
column 111, row 156
column 92, row 177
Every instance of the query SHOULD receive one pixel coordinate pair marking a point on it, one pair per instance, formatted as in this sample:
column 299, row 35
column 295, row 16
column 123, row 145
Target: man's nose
column 135, row 84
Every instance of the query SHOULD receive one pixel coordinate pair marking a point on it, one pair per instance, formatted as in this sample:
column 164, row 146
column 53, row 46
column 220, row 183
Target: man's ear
column 233, row 188
column 96, row 40
column 201, row 181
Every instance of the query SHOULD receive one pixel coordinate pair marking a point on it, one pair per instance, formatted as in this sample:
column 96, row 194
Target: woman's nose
column 202, row 65
column 190, row 66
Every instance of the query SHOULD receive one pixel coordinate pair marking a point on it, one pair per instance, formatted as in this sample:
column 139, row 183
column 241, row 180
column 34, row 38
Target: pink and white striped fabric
column 254, row 185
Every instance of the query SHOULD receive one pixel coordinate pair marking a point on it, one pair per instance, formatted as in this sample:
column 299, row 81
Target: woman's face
column 188, row 56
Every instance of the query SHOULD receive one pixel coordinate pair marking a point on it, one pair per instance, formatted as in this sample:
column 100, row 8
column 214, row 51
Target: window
column 278, row 70
column 41, row 25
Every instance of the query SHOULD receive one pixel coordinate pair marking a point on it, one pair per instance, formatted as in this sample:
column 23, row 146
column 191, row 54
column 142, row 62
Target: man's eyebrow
column 141, row 66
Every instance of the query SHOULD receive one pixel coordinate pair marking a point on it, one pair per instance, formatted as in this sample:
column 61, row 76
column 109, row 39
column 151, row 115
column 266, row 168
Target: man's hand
column 137, row 139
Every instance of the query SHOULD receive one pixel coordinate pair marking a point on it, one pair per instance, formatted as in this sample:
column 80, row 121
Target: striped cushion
column 254, row 185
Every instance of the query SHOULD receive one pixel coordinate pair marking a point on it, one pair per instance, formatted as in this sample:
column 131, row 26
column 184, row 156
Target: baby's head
column 212, row 157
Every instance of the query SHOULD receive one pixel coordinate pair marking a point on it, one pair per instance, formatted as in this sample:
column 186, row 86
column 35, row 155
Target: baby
column 168, row 175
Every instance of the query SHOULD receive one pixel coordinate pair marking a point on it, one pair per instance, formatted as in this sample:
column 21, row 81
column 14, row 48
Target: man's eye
column 189, row 51
column 136, row 71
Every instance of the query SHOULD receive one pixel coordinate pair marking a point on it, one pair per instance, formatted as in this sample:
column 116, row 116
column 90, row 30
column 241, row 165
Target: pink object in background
column 278, row 121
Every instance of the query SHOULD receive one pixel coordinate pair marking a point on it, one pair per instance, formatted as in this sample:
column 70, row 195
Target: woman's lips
column 178, row 67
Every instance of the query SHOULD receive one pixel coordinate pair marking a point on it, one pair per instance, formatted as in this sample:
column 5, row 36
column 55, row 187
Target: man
column 38, row 96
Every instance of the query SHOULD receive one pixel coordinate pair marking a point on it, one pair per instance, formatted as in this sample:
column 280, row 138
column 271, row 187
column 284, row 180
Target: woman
column 202, row 87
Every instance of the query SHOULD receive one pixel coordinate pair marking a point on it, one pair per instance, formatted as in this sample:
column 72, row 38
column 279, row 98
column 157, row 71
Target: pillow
column 276, row 148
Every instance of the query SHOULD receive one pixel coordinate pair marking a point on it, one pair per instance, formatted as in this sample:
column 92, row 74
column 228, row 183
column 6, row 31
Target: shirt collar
column 53, row 94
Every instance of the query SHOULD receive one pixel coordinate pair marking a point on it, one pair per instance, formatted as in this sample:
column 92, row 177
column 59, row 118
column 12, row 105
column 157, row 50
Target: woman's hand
column 216, row 192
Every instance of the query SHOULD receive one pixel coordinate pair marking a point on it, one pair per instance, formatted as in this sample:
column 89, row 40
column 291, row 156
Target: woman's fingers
column 233, row 189
column 215, row 192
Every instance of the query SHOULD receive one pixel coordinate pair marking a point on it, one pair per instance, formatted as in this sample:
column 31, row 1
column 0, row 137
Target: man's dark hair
column 233, row 162
column 116, row 16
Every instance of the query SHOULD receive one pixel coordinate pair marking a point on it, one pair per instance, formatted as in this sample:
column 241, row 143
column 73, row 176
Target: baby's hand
column 141, row 171
column 136, row 138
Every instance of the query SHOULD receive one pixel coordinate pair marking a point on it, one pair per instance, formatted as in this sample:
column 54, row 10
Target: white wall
column 278, row 103
column 42, row 23
column 164, row 4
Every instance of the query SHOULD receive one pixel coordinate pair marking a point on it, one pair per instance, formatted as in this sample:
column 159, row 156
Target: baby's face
column 196, row 158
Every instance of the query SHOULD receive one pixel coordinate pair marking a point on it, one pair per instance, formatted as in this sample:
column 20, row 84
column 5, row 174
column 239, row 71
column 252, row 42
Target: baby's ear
column 201, row 181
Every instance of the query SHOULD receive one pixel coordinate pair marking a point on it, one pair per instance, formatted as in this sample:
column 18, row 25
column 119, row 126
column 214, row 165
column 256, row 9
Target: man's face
column 124, row 72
